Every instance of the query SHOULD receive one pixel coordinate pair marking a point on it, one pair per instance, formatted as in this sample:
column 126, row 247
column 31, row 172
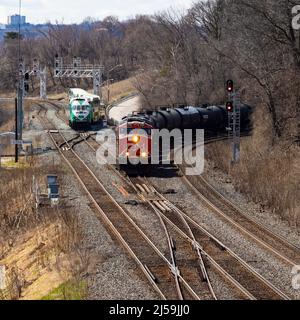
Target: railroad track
column 262, row 235
column 59, row 109
column 228, row 211
column 185, row 258
column 43, row 118
column 159, row 271
column 238, row 273
column 233, row 275
column 259, row 289
column 48, row 125
column 234, row 270
column 166, row 273
column 162, row 274
column 198, row 287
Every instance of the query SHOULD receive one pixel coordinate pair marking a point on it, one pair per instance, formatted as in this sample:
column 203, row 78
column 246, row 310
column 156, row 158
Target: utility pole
column 108, row 80
column 23, row 88
column 43, row 83
column 80, row 71
column 97, row 82
column 42, row 74
column 16, row 131
column 233, row 107
column 19, row 105
column 19, row 99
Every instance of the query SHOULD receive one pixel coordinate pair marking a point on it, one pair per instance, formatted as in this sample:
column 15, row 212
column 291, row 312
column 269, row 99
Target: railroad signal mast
column 23, row 89
column 42, row 74
column 24, row 76
column 19, row 113
column 79, row 71
column 233, row 107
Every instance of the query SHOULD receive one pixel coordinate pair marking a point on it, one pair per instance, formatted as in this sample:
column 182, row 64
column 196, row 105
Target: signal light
column 229, row 106
column 21, row 68
column 229, row 86
column 26, row 88
column 135, row 139
column 26, row 85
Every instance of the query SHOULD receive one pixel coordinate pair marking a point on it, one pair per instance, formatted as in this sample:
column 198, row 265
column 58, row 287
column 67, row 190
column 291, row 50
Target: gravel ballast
column 265, row 263
column 111, row 273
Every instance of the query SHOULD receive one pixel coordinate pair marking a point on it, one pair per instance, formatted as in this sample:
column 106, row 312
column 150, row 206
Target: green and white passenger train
column 85, row 108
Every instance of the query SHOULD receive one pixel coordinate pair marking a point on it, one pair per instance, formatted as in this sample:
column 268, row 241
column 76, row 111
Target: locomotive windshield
column 129, row 131
column 80, row 107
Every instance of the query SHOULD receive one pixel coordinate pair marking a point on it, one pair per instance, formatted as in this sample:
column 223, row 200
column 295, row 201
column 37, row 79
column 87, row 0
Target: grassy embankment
column 269, row 174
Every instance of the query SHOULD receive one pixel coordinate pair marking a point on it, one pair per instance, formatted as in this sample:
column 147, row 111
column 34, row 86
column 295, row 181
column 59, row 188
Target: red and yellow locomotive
column 137, row 139
column 134, row 140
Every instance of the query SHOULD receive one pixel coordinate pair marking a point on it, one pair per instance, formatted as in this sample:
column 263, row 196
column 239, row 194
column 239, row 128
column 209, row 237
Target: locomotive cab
column 134, row 142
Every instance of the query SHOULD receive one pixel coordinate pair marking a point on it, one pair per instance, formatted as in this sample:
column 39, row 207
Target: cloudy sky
column 70, row 11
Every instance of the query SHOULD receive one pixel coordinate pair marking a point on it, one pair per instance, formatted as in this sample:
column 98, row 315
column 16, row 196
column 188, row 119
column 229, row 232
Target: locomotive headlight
column 144, row 154
column 135, row 138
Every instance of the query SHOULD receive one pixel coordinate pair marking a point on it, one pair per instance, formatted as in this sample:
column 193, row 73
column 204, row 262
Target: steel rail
column 103, row 215
column 245, row 223
column 110, row 224
column 279, row 292
column 158, row 210
column 221, row 245
column 120, row 208
column 171, row 250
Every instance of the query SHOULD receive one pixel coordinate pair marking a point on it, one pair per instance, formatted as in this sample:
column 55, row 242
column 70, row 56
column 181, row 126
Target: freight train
column 213, row 119
column 85, row 108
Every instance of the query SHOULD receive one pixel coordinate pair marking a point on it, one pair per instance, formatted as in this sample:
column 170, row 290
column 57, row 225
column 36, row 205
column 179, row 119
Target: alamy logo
column 2, row 278
column 296, row 18
column 142, row 146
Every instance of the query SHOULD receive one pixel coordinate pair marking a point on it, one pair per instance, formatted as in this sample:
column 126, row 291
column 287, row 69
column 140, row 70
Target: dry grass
column 7, row 114
column 119, row 90
column 7, row 122
column 269, row 174
column 40, row 248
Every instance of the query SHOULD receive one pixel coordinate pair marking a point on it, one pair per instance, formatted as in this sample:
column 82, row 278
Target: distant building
column 2, row 26
column 15, row 20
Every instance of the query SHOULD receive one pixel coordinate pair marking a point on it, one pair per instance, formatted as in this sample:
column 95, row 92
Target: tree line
column 187, row 57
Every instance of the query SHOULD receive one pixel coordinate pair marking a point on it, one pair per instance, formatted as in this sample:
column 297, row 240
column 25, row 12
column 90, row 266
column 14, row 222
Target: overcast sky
column 70, row 11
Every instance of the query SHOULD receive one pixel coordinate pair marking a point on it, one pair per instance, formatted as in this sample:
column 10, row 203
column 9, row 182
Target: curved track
column 158, row 270
column 60, row 111
column 232, row 267
column 261, row 234
column 162, row 273
column 186, row 259
column 236, row 271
